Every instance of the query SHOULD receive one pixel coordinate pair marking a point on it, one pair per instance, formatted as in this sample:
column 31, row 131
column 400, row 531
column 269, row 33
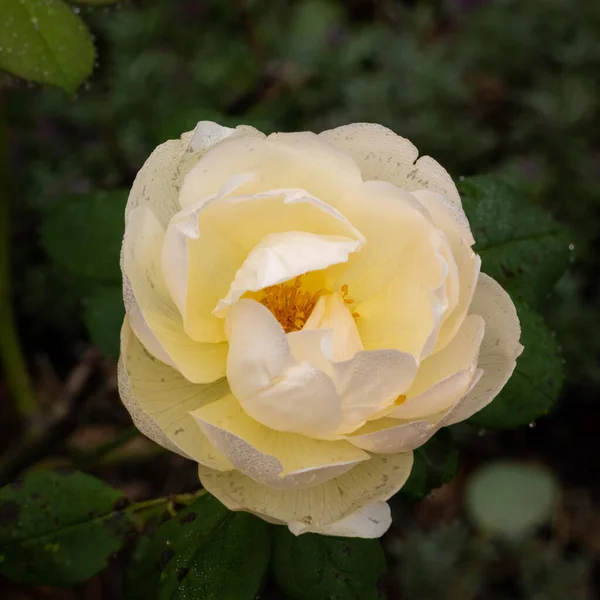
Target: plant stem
column 140, row 512
column 11, row 355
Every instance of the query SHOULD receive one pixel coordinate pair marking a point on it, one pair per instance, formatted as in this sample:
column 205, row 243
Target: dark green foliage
column 435, row 463
column 520, row 245
column 84, row 234
column 534, row 387
column 103, row 315
column 314, row 567
column 205, row 552
column 59, row 528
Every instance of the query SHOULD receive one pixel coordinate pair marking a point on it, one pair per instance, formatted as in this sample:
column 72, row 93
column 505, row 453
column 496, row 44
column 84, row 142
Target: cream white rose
column 302, row 312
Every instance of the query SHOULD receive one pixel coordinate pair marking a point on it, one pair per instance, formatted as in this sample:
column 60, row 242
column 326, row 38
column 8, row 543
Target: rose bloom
column 302, row 312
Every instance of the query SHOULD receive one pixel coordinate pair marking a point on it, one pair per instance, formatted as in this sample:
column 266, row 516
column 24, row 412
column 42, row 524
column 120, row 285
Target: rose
column 302, row 312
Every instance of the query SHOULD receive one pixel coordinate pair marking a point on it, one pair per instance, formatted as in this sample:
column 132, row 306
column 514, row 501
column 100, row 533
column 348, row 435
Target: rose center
column 290, row 304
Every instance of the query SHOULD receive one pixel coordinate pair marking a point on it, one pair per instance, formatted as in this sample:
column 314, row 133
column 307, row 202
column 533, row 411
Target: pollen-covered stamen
column 290, row 304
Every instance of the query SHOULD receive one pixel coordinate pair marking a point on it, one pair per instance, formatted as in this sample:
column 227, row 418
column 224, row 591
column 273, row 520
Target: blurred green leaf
column 536, row 382
column 84, row 234
column 520, row 245
column 315, row 567
column 95, row 2
column 205, row 552
column 436, row 463
column 104, row 312
column 44, row 41
column 59, row 529
column 509, row 499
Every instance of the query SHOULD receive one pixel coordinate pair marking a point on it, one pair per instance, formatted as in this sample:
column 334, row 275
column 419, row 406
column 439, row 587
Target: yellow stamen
column 290, row 304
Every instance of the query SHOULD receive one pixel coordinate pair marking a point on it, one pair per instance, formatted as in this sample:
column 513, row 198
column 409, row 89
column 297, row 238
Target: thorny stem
column 11, row 355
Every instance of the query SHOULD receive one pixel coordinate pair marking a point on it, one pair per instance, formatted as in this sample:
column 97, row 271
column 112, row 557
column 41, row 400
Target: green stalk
column 11, row 355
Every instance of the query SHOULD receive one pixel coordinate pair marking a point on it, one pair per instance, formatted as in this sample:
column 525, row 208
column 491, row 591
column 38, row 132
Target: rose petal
column 145, row 294
column 369, row 522
column 450, row 219
column 300, row 160
column 383, row 155
column 228, row 230
column 370, row 381
column 375, row 480
column 443, row 379
column 273, row 458
column 158, row 182
column 331, row 313
column 499, row 349
column 159, row 400
column 388, row 436
column 279, row 257
column 270, row 386
column 392, row 223
column 406, row 314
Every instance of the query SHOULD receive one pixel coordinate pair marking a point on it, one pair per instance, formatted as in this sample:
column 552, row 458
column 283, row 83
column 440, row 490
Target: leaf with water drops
column 536, row 382
column 521, row 246
column 59, row 528
column 46, row 42
column 205, row 552
column 316, row 567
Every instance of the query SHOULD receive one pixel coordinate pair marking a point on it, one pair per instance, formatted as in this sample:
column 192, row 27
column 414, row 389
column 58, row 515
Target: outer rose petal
column 268, row 382
column 273, row 458
column 497, row 359
column 499, row 350
column 159, row 400
column 149, row 304
column 158, row 181
column 374, row 480
column 372, row 521
column 383, row 155
column 398, row 435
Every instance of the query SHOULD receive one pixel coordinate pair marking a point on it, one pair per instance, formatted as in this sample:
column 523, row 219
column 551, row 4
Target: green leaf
column 59, row 529
column 510, row 499
column 45, row 42
column 104, row 312
column 536, row 382
column 436, row 463
column 84, row 234
column 315, row 567
column 206, row 552
column 520, row 245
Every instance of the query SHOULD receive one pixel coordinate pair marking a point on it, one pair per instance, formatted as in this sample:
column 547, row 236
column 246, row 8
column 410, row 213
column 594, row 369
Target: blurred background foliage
column 502, row 86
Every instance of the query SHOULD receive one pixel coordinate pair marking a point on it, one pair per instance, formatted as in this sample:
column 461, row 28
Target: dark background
column 504, row 86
